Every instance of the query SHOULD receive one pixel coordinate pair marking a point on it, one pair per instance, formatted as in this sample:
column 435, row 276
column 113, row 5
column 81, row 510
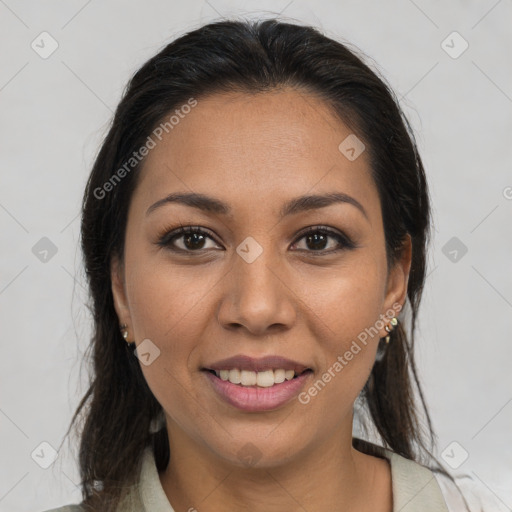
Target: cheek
column 344, row 312
column 166, row 300
column 345, row 301
column 168, row 308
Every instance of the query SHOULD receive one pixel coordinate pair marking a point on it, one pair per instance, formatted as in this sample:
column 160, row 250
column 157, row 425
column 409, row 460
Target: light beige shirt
column 415, row 488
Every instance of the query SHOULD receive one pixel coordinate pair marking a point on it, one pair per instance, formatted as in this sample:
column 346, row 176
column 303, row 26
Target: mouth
column 253, row 379
column 256, row 391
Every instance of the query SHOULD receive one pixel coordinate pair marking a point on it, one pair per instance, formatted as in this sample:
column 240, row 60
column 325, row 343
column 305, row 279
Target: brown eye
column 317, row 240
column 190, row 238
column 194, row 241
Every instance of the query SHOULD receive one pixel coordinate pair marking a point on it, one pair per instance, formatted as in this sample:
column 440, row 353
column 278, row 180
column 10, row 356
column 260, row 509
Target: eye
column 316, row 239
column 192, row 238
column 195, row 239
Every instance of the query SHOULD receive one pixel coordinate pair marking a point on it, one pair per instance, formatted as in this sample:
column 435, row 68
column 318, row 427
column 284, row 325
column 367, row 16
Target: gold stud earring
column 124, row 333
column 392, row 324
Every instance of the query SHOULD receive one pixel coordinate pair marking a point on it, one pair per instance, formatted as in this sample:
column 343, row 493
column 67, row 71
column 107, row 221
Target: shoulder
column 415, row 487
column 135, row 498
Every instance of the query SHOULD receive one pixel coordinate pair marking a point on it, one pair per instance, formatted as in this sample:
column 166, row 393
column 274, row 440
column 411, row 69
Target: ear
column 398, row 279
column 119, row 290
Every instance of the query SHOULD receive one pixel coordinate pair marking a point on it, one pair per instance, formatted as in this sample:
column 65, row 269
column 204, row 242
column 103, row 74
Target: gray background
column 55, row 112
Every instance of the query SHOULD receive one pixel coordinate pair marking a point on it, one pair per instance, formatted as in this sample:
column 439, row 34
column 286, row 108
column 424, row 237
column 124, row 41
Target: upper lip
column 271, row 362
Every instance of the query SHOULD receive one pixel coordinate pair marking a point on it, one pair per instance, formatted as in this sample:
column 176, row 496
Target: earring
column 124, row 332
column 393, row 323
column 157, row 423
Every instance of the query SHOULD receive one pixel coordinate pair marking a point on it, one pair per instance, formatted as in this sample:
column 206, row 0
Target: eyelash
column 165, row 240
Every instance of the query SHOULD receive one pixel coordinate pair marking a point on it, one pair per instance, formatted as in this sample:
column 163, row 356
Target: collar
column 415, row 487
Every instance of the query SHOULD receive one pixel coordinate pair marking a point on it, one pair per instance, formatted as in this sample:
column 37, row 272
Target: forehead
column 268, row 145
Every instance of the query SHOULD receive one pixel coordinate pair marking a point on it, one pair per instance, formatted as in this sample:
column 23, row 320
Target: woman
column 254, row 231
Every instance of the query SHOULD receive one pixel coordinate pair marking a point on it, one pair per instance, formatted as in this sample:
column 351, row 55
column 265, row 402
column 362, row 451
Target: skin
column 255, row 152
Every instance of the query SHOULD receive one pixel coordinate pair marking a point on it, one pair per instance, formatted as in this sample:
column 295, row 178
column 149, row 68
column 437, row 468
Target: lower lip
column 254, row 398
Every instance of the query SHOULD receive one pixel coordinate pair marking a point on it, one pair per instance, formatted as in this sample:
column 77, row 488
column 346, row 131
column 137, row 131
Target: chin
column 258, row 452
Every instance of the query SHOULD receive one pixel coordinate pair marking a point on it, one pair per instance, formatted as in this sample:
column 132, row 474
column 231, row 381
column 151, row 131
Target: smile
column 257, row 391
column 265, row 379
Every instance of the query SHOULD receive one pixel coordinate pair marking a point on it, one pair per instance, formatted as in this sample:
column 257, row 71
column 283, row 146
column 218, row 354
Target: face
column 252, row 282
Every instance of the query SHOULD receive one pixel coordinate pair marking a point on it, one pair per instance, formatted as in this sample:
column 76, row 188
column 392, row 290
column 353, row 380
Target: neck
column 329, row 476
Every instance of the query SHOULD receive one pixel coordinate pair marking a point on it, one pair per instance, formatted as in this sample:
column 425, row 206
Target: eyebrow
column 296, row 205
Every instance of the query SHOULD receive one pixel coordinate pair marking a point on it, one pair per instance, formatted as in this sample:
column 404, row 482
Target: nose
column 257, row 296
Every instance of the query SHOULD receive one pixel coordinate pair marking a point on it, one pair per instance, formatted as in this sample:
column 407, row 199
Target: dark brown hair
column 252, row 57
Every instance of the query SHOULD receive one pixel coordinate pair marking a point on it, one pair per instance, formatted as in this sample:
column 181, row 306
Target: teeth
column 248, row 378
column 265, row 379
column 279, row 376
column 234, row 376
